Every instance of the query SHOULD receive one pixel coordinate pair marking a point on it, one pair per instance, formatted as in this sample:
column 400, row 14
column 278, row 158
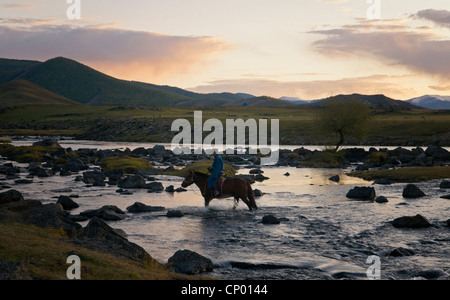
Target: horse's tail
column 251, row 196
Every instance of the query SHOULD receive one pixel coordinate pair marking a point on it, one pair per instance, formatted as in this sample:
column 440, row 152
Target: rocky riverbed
column 315, row 231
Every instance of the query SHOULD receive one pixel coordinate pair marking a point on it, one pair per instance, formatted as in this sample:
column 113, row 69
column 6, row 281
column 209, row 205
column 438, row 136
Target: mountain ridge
column 83, row 84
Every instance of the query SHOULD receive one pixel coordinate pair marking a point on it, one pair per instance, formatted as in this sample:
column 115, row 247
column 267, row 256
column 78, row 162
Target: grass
column 415, row 127
column 324, row 159
column 202, row 167
column 405, row 175
column 25, row 153
column 4, row 140
column 44, row 252
column 126, row 163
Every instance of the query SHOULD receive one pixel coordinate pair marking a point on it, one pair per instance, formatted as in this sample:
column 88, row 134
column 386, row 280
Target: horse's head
column 189, row 180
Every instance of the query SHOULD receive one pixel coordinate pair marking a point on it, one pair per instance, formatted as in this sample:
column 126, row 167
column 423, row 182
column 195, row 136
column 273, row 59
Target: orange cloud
column 133, row 55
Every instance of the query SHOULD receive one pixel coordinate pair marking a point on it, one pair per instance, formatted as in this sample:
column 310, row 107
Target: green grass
column 126, row 163
column 324, row 159
column 202, row 167
column 25, row 153
column 44, row 252
column 405, row 175
column 4, row 140
column 416, row 127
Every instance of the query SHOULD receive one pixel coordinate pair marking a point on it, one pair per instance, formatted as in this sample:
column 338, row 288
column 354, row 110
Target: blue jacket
column 217, row 171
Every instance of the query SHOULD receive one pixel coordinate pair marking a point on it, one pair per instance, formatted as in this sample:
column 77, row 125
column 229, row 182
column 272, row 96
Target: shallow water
column 322, row 235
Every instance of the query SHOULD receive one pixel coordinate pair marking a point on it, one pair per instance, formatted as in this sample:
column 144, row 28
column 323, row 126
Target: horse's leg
column 236, row 203
column 246, row 201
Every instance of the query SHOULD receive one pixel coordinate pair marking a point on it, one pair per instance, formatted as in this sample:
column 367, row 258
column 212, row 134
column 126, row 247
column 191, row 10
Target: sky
column 308, row 49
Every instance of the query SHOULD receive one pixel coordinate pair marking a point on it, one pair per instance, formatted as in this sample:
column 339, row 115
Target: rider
column 217, row 171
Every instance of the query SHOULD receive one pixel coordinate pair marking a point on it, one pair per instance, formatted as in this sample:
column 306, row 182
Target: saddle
column 219, row 187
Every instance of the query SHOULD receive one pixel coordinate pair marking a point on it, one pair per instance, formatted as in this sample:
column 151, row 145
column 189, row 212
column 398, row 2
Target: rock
column 417, row 221
column 10, row 196
column 170, row 189
column 154, row 187
column 107, row 212
column 139, row 207
column 48, row 143
column 257, row 193
column 100, row 236
column 431, row 274
column 270, row 219
column 437, row 153
column 67, row 203
column 23, row 181
column 256, row 171
column 175, row 214
column 78, row 218
column 114, row 176
column 335, row 178
column 132, row 182
column 41, row 172
column 188, row 262
column 381, row 199
column 287, row 174
column 445, row 184
column 180, row 190
column 96, row 178
column 399, row 252
column 74, row 165
column 260, row 177
column 382, row 181
column 448, row 222
column 411, row 191
column 363, row 193
column 446, row 196
column 13, row 271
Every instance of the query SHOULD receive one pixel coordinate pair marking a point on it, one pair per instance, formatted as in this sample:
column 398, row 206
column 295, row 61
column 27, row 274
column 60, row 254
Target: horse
column 234, row 187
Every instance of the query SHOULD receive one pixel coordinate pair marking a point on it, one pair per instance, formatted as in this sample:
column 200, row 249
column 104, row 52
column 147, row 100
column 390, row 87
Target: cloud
column 134, row 55
column 18, row 6
column 438, row 17
column 420, row 51
column 314, row 89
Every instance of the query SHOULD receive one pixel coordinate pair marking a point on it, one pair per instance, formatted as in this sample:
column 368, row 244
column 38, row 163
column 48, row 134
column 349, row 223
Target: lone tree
column 343, row 119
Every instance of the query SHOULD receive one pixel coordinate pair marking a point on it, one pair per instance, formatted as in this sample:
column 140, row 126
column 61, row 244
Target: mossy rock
column 126, row 163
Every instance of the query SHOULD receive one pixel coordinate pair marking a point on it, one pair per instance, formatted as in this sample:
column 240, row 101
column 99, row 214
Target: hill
column 376, row 102
column 261, row 101
column 85, row 85
column 21, row 93
column 432, row 102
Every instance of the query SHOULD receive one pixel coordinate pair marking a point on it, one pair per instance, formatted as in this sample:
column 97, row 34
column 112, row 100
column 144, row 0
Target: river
column 322, row 235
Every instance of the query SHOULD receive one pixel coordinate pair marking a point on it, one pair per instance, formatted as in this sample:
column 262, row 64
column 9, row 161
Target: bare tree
column 343, row 120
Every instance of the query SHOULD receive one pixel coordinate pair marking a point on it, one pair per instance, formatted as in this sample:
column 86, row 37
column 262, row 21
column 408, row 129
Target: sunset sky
column 308, row 49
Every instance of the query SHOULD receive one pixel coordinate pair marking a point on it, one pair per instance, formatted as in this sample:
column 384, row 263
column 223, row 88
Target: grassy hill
column 23, row 93
column 376, row 102
column 83, row 84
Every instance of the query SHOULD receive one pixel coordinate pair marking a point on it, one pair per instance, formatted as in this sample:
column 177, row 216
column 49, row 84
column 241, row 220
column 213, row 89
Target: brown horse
column 233, row 187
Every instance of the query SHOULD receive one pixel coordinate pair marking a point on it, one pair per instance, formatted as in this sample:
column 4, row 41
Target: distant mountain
column 376, row 102
column 261, row 101
column 294, row 100
column 21, row 92
column 432, row 102
column 220, row 97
